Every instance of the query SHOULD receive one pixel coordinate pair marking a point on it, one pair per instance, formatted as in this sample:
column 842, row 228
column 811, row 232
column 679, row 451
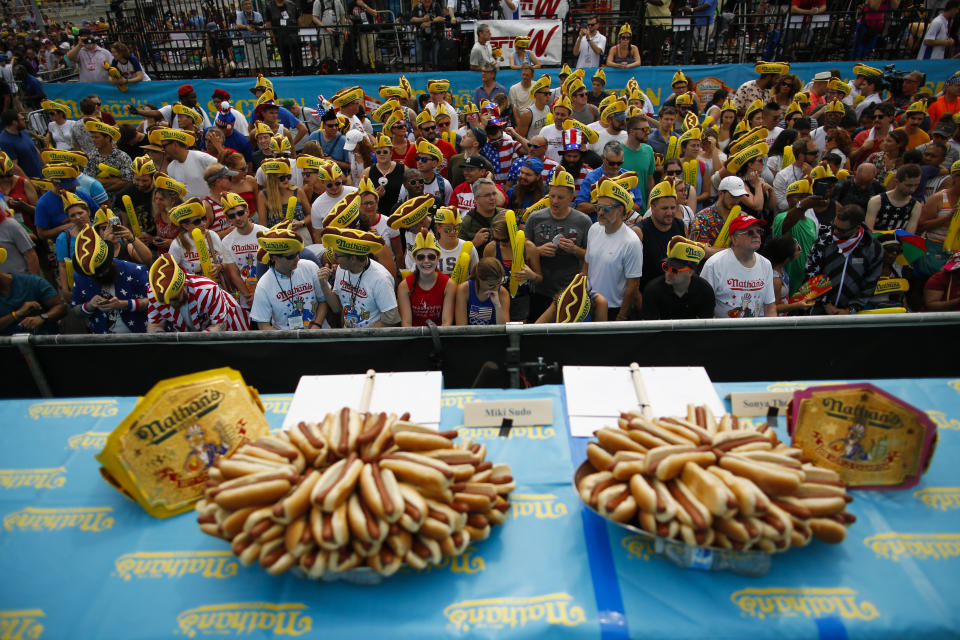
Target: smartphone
column 821, row 188
column 114, row 220
column 106, row 296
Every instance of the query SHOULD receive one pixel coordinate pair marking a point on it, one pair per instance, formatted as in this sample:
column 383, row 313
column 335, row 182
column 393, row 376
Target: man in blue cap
column 529, row 187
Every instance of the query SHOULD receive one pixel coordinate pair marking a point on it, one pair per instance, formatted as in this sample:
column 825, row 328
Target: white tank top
column 538, row 120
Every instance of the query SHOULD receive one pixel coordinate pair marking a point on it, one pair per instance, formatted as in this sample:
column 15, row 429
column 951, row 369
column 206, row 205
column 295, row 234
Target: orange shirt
column 918, row 138
column 942, row 107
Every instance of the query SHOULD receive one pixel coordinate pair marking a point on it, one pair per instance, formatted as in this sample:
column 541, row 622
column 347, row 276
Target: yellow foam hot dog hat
column 183, row 110
column 163, row 181
column 750, row 153
column 764, row 68
column 166, row 278
column 143, row 166
column 438, row 86
column 541, row 83
column 192, row 208
column 344, row 212
column 277, row 241
column 607, row 188
column 53, row 105
column 275, row 167
column 411, row 212
column 346, row 95
column 663, row 189
column 384, row 110
column 426, row 241
column 71, row 199
column 447, row 215
column 161, row 136
column 60, row 171
column 51, row 156
column 753, row 137
column 351, row 241
column 89, row 250
column 231, row 200
column 573, row 304
column 311, row 163
column 96, row 126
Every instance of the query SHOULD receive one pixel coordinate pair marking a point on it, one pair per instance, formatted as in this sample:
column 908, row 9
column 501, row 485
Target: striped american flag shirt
column 207, row 305
column 501, row 155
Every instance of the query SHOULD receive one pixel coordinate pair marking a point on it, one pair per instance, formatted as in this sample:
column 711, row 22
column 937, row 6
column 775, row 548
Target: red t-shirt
column 947, row 282
column 427, row 305
column 448, row 152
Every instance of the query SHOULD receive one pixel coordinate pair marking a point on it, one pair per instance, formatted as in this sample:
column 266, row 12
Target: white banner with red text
column 546, row 38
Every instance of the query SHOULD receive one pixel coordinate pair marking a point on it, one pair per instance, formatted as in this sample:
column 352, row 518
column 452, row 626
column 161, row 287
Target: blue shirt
column 131, row 283
column 334, row 148
column 238, row 143
column 49, row 212
column 481, row 94
column 592, row 178
column 93, row 187
column 25, row 287
column 706, row 16
column 21, row 149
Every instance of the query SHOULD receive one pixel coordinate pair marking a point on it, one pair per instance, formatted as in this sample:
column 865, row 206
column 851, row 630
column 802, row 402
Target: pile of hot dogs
column 712, row 483
column 355, row 490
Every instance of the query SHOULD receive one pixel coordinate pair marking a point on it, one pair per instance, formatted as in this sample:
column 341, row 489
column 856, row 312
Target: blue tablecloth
column 80, row 560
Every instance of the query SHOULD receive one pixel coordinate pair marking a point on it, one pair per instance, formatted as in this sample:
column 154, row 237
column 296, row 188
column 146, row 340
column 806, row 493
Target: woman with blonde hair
column 276, row 193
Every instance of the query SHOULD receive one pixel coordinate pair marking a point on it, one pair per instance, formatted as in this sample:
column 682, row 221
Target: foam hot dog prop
column 461, row 270
column 200, row 240
column 517, row 246
column 709, row 482
column 116, row 75
column 358, row 490
column 131, row 216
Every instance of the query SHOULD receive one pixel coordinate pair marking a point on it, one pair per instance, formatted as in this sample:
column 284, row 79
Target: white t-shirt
column 288, row 302
column 740, row 292
column 167, row 112
column 365, row 295
column 588, row 58
column 448, row 258
column 604, row 137
column 190, row 173
column 243, row 248
column 296, row 176
column 322, row 205
column 382, row 229
column 433, row 188
column 612, row 258
column 939, row 29
column 520, row 97
column 772, row 136
column 554, row 138
column 190, row 261
column 61, row 133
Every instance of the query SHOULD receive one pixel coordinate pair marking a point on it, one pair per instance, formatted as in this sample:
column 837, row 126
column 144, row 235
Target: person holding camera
column 430, row 20
column 89, row 57
column 254, row 40
column 590, row 45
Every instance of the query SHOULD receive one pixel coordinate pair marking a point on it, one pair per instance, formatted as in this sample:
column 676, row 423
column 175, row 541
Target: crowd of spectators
column 787, row 196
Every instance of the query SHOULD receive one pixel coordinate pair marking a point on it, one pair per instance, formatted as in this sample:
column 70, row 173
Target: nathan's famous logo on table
column 942, row 498
column 245, row 618
column 276, row 404
column 638, row 546
column 502, row 613
column 51, row 478
column 493, row 433
column 457, row 398
column 922, row 546
column 95, row 440
column 94, row 519
column 942, row 421
column 73, row 409
column 776, row 602
column 854, row 450
column 176, row 564
column 21, row 624
column 468, row 562
column 955, row 385
column 542, row 506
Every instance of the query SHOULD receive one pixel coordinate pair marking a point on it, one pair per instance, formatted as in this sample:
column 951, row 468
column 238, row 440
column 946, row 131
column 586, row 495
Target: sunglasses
column 290, row 256
column 433, row 128
column 614, row 163
column 234, row 216
column 674, row 172
column 415, row 182
column 592, row 24
column 674, row 270
column 399, row 125
column 307, row 174
column 331, row 185
column 425, row 158
column 190, row 223
column 284, row 177
column 607, row 208
column 331, row 125
column 430, row 257
column 382, row 152
column 444, row 125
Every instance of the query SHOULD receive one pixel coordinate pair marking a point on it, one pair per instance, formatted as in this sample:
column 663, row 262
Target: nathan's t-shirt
column 365, row 296
column 243, row 250
column 740, row 292
column 288, row 302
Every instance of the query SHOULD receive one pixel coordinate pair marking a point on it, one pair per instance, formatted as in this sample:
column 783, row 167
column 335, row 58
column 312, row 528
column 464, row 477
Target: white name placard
column 527, row 413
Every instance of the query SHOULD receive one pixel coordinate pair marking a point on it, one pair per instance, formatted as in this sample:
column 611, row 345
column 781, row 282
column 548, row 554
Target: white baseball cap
column 353, row 139
column 823, row 76
column 733, row 185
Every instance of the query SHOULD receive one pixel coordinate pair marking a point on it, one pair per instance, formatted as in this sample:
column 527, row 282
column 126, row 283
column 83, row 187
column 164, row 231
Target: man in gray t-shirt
column 560, row 234
column 21, row 255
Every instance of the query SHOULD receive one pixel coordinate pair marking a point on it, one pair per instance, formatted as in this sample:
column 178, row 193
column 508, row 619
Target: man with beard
column 529, row 187
column 560, row 235
column 572, row 161
column 426, row 127
column 110, row 291
column 658, row 229
column 611, row 168
column 141, row 195
column 537, row 147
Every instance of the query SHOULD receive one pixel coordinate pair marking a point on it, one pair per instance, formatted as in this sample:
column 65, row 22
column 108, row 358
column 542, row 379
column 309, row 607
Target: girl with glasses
column 624, row 54
column 426, row 294
column 273, row 199
column 243, row 184
column 59, row 127
column 389, row 169
column 447, row 223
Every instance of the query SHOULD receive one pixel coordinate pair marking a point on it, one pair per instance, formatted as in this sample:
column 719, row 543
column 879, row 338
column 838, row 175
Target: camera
column 114, row 220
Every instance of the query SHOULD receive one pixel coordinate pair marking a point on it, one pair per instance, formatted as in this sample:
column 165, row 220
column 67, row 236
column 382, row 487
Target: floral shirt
column 748, row 93
column 706, row 225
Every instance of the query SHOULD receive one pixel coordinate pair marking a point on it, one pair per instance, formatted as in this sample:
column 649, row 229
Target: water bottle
column 747, row 563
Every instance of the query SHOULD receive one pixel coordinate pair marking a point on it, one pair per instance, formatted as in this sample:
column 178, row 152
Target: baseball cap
column 953, row 263
column 535, row 164
column 944, row 128
column 823, row 76
column 353, row 139
column 473, row 162
column 743, row 221
column 734, row 186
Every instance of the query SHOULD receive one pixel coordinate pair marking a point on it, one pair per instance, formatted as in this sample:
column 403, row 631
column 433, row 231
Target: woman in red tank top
column 20, row 193
column 426, row 294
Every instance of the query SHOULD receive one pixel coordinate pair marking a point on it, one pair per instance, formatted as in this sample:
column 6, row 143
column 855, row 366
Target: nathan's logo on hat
column 792, row 108
column 866, row 71
column 690, row 134
column 279, row 240
column 836, row 106
column 917, row 107
column 53, row 105
column 143, row 166
column 230, row 200
column 71, row 199
column 839, row 86
column 753, row 137
column 60, row 156
column 561, row 178
column 802, row 98
column 261, row 128
column 163, row 136
column 96, row 126
column 540, row 84
column 821, row 172
column 166, row 278
column 346, row 96
column 563, row 102
column 280, row 144
column 384, row 110
column 190, row 209
column 277, row 167
column 184, row 110
column 664, row 189
column 430, row 150
column 344, row 212
column 424, row 117
column 438, row 86
column 60, row 172
column 799, row 187
column 311, row 163
column 163, row 181
column 764, row 68
column 411, row 212
column 752, row 153
column 685, row 250
column 447, row 215
column 352, row 241
column 756, row 105
column 392, row 92
column 426, row 241
column 89, row 251
column 607, row 188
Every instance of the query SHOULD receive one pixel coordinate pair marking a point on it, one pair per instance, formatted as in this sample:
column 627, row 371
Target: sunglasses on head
column 675, row 270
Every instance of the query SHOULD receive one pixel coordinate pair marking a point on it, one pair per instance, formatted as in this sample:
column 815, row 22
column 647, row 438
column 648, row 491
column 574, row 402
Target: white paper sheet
column 597, row 395
column 418, row 392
